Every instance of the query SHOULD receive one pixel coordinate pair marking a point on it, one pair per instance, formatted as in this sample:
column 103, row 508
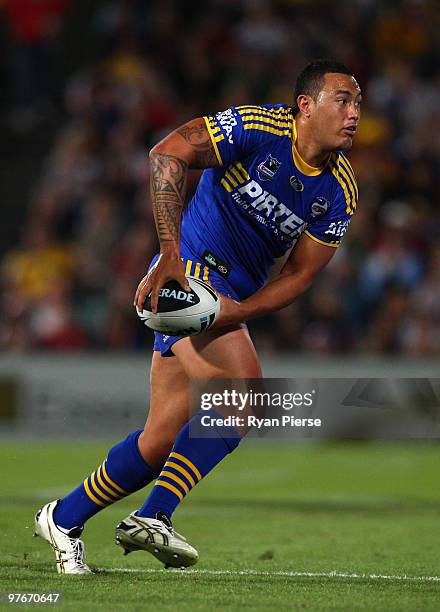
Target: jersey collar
column 300, row 163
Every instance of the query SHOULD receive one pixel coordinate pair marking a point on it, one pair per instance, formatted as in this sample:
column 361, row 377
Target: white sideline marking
column 334, row 574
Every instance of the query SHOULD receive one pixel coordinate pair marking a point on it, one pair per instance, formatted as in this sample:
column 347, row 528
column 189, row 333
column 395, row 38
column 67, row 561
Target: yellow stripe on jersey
column 243, row 170
column 259, row 110
column 342, row 183
column 188, row 268
column 215, row 129
column 281, row 123
column 347, row 172
column 189, row 463
column 182, row 470
column 90, row 494
column 350, row 185
column 226, row 185
column 171, row 487
column 273, row 112
column 231, row 179
column 214, row 139
column 349, row 166
column 263, row 115
column 346, row 164
column 333, row 245
column 266, row 128
column 236, row 173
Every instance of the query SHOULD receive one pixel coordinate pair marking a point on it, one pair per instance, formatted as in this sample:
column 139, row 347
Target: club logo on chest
column 267, row 169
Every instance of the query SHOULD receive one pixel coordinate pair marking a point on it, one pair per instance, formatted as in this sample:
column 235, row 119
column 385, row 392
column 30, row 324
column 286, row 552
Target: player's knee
column 155, row 445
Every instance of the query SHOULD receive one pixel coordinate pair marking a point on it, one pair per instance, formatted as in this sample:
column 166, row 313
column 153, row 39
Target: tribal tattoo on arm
column 197, row 136
column 168, row 188
column 170, row 161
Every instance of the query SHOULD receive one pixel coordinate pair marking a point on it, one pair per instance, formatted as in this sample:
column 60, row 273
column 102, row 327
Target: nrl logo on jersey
column 267, row 169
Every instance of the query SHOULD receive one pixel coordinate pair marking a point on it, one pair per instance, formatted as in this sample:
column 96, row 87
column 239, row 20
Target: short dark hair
column 311, row 80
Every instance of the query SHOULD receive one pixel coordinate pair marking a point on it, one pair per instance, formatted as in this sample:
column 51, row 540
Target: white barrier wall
column 107, row 394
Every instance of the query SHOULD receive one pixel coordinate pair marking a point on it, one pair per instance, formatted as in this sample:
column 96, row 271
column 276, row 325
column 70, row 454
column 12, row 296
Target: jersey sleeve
column 330, row 228
column 239, row 131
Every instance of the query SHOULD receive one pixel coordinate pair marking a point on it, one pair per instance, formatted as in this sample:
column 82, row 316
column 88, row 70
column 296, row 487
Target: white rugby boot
column 68, row 548
column 157, row 537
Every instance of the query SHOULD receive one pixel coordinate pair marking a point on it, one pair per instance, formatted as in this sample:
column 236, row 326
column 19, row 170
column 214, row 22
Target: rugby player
column 276, row 183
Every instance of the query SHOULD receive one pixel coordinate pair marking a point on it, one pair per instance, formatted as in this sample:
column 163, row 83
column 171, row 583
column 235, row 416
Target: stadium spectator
column 34, row 27
column 91, row 211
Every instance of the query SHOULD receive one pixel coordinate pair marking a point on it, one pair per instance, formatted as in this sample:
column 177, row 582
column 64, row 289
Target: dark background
column 86, row 88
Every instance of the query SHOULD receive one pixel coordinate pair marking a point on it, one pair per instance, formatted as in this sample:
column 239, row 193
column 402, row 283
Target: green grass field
column 271, row 525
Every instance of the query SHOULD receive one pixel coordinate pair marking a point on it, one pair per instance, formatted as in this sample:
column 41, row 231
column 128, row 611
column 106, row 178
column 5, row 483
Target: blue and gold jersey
column 253, row 207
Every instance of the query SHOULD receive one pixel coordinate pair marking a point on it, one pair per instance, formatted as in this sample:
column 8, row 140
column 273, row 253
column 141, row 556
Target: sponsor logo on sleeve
column 338, row 228
column 227, row 122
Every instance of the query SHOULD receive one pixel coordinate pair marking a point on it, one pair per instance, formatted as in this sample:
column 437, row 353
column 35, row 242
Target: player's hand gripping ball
column 180, row 313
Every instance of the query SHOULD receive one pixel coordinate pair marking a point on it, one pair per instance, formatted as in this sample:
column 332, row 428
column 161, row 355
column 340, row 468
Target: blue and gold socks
column 192, row 458
column 123, row 472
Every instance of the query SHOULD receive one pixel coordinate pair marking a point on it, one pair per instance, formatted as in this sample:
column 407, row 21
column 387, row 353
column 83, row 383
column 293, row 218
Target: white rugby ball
column 181, row 313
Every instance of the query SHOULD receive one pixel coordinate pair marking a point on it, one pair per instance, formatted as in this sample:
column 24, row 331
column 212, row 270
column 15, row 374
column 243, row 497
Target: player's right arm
column 190, row 146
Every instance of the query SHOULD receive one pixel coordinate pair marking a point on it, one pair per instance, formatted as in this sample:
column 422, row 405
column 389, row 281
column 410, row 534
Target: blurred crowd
column 89, row 232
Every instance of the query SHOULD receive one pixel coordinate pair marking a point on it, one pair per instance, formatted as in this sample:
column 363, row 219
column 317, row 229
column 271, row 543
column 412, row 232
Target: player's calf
column 122, row 473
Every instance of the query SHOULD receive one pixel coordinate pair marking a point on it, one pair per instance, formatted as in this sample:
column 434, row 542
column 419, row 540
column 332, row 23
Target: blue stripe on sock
column 108, row 489
column 171, row 481
column 128, row 470
column 96, row 492
column 109, row 497
column 185, row 474
column 202, row 453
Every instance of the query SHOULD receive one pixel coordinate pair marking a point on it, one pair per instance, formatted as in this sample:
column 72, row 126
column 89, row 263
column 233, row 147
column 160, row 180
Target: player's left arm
column 306, row 260
column 312, row 253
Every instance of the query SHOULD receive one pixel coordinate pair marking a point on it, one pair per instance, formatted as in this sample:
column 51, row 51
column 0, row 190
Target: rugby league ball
column 182, row 313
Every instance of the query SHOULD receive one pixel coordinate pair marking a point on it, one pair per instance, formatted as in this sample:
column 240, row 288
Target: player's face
column 336, row 112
